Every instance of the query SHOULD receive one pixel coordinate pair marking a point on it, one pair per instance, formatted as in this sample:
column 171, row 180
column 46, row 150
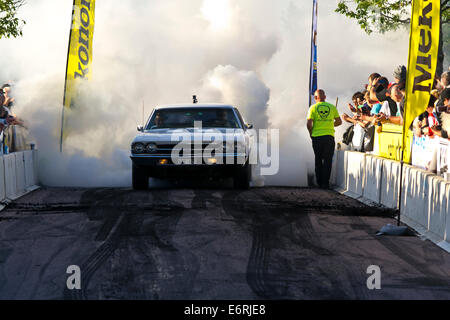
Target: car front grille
column 166, row 149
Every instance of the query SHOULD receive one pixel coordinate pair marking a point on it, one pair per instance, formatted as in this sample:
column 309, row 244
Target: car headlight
column 151, row 148
column 138, row 148
column 211, row 161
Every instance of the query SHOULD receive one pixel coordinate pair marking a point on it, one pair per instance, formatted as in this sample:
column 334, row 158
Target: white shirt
column 387, row 111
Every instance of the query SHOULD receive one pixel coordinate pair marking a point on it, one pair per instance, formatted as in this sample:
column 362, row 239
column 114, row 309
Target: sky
column 253, row 54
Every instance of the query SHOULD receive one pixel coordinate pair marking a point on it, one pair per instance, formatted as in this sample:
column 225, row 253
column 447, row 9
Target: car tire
column 139, row 178
column 242, row 178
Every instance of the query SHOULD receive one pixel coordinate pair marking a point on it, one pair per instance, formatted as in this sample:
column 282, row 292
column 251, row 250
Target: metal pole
column 400, row 189
column 312, row 58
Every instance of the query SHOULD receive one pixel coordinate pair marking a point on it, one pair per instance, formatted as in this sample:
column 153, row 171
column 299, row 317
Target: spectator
column 365, row 107
column 400, row 75
column 358, row 99
column 9, row 101
column 443, row 129
column 445, row 80
column 391, row 109
column 380, row 92
column 372, row 78
column 444, row 83
column 425, row 121
column 375, row 107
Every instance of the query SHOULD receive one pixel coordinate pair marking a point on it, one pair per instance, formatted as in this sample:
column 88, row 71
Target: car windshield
column 185, row 118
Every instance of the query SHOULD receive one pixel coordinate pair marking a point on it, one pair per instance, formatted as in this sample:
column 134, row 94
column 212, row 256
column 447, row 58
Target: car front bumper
column 162, row 166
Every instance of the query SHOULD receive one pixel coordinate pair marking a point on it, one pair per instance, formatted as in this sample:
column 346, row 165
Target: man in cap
column 321, row 120
column 400, row 74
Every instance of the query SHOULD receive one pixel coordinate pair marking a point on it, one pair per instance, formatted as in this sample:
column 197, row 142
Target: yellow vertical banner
column 422, row 61
column 79, row 58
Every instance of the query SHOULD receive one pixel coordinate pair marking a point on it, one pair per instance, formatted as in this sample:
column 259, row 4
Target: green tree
column 388, row 15
column 10, row 25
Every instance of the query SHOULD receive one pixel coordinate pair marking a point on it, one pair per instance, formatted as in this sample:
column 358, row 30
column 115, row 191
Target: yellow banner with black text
column 79, row 59
column 422, row 61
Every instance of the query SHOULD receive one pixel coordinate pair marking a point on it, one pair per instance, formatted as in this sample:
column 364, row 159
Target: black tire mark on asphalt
column 260, row 222
column 156, row 222
column 389, row 243
column 257, row 268
column 159, row 232
column 264, row 223
column 202, row 196
column 106, row 205
column 94, row 262
column 302, row 234
column 5, row 253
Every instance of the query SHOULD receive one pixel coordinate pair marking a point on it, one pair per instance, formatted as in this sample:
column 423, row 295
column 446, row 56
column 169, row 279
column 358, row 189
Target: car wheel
column 242, row 178
column 139, row 178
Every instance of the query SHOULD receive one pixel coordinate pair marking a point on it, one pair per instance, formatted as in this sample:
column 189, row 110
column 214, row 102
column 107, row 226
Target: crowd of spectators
column 10, row 140
column 382, row 102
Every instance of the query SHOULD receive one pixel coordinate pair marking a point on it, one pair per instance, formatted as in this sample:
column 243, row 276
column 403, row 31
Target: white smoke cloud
column 241, row 88
column 162, row 52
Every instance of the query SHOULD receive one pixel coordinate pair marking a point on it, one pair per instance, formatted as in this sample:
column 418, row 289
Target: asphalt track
column 210, row 243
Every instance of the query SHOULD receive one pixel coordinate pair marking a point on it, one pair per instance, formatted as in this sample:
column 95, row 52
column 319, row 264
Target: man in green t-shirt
column 322, row 118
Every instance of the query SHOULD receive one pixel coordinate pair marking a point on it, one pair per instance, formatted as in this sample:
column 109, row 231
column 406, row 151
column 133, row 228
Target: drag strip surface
column 202, row 243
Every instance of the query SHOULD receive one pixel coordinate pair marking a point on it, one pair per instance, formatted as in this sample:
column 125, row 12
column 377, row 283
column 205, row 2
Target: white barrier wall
column 425, row 196
column 447, row 222
column 10, row 176
column 2, row 181
column 355, row 172
column 415, row 195
column 30, row 169
column 372, row 178
column 18, row 175
column 437, row 206
column 341, row 169
column 390, row 178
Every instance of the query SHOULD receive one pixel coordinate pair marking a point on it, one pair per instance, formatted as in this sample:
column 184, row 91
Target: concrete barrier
column 355, row 173
column 446, row 241
column 333, row 170
column 437, row 206
column 20, row 173
column 341, row 170
column 2, row 181
column 415, row 195
column 10, row 176
column 35, row 168
column 425, row 196
column 17, row 175
column 390, row 178
column 373, row 179
column 30, row 174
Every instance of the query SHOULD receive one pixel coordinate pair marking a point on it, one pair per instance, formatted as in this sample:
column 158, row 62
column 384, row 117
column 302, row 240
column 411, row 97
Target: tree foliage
column 384, row 15
column 10, row 24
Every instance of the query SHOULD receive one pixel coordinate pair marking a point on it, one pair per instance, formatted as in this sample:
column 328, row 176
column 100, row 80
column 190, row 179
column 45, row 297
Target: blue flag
column 313, row 72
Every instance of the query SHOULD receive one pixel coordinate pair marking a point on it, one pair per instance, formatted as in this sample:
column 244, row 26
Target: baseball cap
column 400, row 72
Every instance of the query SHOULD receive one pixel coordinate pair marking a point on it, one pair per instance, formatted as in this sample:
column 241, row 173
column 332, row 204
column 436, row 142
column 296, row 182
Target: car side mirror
column 140, row 128
column 249, row 126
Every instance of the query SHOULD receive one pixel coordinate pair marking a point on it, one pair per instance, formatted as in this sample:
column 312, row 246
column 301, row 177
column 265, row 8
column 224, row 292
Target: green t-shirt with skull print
column 323, row 115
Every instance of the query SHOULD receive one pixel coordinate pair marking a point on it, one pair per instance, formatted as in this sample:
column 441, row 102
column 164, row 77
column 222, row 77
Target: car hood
column 168, row 136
